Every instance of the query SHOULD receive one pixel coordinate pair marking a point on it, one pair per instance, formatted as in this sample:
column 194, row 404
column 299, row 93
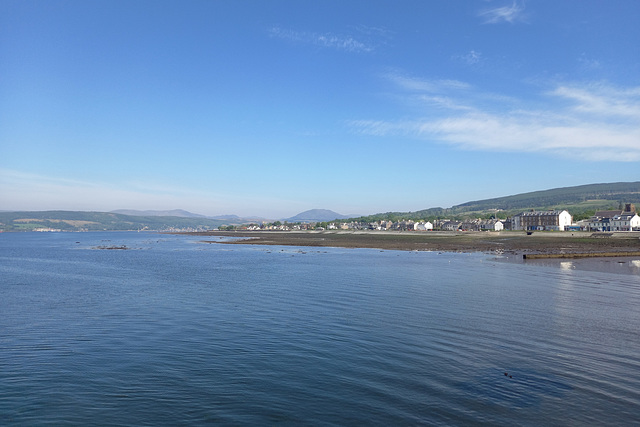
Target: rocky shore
column 512, row 242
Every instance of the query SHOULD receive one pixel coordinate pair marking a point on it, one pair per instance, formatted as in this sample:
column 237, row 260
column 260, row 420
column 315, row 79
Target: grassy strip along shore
column 517, row 242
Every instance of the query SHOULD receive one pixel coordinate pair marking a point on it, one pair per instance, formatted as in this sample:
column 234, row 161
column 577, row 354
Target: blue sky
column 272, row 108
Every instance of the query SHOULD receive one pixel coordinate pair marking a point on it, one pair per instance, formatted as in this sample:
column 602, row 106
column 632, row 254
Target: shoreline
column 511, row 242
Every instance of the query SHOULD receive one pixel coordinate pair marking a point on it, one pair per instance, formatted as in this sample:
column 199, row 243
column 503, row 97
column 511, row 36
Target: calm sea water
column 176, row 332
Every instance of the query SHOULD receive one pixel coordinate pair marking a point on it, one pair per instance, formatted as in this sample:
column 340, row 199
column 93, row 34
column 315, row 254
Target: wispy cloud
column 368, row 30
column 589, row 63
column 425, row 85
column 472, row 57
column 510, row 14
column 592, row 122
column 601, row 100
column 341, row 42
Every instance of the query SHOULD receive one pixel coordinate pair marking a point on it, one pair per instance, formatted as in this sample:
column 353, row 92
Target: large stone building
column 541, row 220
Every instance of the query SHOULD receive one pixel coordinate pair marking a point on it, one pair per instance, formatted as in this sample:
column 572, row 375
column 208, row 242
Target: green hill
column 99, row 221
column 613, row 193
column 581, row 201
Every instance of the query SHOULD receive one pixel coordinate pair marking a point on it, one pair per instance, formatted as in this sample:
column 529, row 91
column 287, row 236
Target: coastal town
column 625, row 219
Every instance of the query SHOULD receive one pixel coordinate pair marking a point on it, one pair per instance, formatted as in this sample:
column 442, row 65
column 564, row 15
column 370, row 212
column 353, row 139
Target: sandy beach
column 511, row 242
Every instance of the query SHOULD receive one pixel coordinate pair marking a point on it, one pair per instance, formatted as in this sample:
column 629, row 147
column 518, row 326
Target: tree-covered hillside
column 98, row 221
column 581, row 201
column 619, row 192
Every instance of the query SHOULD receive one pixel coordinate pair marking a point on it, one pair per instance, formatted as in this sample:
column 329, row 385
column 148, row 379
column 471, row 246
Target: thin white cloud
column 345, row 43
column 454, row 94
column 589, row 63
column 423, row 85
column 591, row 122
column 603, row 100
column 510, row 14
column 445, row 102
column 374, row 31
column 472, row 57
column 582, row 139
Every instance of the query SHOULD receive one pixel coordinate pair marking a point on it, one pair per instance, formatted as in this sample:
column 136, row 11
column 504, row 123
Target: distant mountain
column 174, row 212
column 227, row 217
column 235, row 219
column 316, row 215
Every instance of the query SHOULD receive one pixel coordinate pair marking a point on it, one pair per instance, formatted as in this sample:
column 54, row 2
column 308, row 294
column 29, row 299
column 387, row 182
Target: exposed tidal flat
column 510, row 242
column 174, row 331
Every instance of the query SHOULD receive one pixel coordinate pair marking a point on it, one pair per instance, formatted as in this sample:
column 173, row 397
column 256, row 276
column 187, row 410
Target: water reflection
column 567, row 265
column 617, row 265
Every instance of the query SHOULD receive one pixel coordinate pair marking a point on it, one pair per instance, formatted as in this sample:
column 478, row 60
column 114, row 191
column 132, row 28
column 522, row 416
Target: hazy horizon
column 271, row 109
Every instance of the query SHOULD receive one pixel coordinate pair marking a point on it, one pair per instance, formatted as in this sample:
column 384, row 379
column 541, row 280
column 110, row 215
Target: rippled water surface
column 174, row 331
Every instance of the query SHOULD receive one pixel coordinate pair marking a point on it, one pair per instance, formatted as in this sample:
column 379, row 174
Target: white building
column 498, row 226
column 491, row 225
column 542, row 220
column 423, row 226
column 625, row 222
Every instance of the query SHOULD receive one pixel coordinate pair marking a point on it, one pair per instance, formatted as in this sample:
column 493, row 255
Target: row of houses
column 473, row 225
column 445, row 224
column 551, row 220
column 547, row 220
column 278, row 227
column 617, row 220
column 625, row 220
